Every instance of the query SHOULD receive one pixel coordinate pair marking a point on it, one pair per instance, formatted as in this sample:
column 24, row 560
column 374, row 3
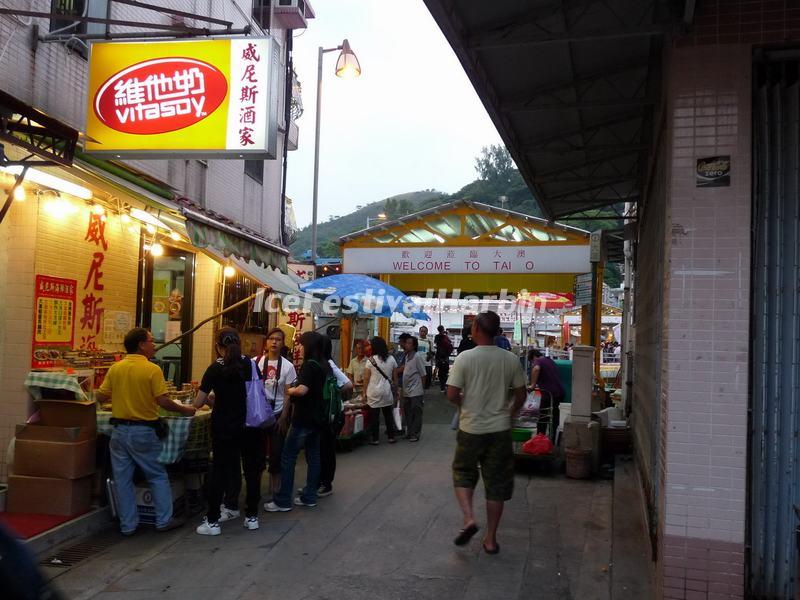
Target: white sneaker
column 251, row 523
column 299, row 502
column 272, row 507
column 226, row 514
column 206, row 528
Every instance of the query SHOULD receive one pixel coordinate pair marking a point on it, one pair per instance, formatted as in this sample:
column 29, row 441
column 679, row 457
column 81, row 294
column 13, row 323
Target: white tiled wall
column 707, row 322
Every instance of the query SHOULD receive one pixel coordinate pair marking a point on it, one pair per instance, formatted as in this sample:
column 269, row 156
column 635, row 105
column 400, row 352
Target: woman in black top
column 232, row 441
column 306, row 402
column 467, row 343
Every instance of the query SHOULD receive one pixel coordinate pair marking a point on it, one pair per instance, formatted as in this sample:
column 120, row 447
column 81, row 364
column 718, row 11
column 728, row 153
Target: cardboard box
column 68, row 413
column 63, row 452
column 49, row 495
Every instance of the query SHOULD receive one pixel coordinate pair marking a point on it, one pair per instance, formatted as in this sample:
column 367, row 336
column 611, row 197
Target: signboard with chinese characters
column 205, row 98
column 584, row 289
column 302, row 270
column 488, row 259
column 53, row 319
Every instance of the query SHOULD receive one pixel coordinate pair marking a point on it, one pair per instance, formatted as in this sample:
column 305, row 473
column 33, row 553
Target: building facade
column 140, row 241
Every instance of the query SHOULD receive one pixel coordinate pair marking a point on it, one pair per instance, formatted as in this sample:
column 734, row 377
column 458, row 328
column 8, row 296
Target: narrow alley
column 385, row 533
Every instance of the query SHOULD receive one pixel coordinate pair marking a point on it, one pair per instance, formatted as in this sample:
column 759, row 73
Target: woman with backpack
column 306, row 401
column 235, row 446
column 380, row 383
column 328, row 433
column 279, row 374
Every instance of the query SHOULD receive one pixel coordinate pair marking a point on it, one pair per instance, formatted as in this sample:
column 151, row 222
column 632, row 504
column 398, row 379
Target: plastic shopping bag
column 398, row 418
column 538, row 445
column 533, row 401
column 259, row 411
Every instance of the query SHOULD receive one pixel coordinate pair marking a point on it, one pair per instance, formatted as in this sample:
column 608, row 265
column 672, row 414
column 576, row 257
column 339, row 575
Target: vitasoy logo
column 160, row 95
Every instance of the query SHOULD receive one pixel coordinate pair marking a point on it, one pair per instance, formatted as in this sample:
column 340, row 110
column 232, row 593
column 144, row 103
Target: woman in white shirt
column 278, row 374
column 380, row 383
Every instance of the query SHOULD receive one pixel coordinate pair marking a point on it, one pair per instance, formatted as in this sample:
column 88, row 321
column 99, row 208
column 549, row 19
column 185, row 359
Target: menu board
column 54, row 319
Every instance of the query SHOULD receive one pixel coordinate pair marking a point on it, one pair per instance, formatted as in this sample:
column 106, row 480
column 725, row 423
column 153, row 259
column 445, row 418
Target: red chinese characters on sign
column 92, row 302
column 95, row 274
column 248, row 114
column 96, row 231
column 92, row 313
column 157, row 96
column 296, row 319
column 246, row 136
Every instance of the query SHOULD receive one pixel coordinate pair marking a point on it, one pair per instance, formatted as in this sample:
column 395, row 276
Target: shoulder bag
column 395, row 391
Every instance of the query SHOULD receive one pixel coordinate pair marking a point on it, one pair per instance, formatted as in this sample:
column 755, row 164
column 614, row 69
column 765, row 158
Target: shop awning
column 571, row 87
column 281, row 284
column 208, row 233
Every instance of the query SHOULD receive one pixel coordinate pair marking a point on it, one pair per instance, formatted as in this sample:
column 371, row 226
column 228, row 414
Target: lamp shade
column 347, row 66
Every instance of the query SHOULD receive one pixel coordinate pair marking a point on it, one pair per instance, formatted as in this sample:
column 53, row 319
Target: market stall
column 348, row 297
column 62, row 450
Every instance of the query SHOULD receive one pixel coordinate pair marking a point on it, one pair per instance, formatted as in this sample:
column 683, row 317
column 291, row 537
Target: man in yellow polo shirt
column 137, row 388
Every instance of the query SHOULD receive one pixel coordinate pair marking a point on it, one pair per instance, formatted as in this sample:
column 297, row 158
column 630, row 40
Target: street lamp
column 380, row 217
column 347, row 67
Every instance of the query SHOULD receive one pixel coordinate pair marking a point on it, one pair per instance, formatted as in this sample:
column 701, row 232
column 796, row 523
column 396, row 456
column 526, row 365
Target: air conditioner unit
column 286, row 14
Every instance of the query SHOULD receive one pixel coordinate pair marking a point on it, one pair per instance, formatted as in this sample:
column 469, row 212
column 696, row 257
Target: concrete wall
column 705, row 360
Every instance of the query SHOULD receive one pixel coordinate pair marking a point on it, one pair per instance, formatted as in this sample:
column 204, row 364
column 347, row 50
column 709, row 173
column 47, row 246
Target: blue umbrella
column 359, row 294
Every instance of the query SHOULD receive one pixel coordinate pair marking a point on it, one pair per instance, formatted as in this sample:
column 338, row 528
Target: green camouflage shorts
column 494, row 453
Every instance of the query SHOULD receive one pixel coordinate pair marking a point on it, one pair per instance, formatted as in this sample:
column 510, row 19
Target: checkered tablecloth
column 53, row 379
column 175, row 443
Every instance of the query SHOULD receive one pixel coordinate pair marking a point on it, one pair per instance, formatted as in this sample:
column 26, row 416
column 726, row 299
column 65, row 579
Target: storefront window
column 243, row 318
column 167, row 310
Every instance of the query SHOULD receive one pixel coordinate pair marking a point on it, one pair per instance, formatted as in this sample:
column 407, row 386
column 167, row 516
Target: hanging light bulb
column 19, row 194
column 157, row 249
column 98, row 209
column 125, row 218
column 228, row 271
column 175, row 236
column 150, row 229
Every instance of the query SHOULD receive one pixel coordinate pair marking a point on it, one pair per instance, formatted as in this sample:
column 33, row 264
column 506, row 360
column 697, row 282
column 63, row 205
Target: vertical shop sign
column 92, row 302
column 53, row 319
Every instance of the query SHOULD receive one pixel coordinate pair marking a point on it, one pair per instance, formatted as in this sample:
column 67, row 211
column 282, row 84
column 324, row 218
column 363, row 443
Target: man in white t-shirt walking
column 279, row 373
column 488, row 385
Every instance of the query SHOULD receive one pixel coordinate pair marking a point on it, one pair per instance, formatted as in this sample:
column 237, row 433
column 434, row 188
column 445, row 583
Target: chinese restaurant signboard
column 204, row 98
column 488, row 259
column 53, row 319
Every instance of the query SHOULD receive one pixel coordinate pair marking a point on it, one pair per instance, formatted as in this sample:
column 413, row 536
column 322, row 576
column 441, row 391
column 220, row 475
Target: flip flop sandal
column 495, row 551
column 465, row 535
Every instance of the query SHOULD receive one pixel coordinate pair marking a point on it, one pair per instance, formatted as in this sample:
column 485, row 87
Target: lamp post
column 380, row 217
column 347, row 67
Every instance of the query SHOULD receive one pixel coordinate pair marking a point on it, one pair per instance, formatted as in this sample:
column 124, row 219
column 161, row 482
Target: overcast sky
column 412, row 121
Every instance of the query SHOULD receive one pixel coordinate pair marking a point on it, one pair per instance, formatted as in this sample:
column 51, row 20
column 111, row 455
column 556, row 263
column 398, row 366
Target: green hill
column 337, row 226
column 499, row 184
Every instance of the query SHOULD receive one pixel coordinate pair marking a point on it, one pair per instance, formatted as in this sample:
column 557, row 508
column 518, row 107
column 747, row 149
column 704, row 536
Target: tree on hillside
column 495, row 165
column 395, row 208
column 328, row 249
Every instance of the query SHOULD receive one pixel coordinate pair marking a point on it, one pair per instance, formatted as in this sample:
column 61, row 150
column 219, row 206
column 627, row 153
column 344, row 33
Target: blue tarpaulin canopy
column 363, row 295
